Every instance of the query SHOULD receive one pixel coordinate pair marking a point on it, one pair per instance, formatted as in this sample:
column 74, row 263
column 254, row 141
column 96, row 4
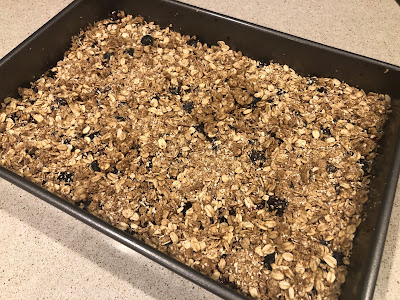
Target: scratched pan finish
column 46, row 46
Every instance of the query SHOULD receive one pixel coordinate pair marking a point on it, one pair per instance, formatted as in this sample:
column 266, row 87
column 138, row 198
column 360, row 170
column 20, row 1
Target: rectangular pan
column 46, row 46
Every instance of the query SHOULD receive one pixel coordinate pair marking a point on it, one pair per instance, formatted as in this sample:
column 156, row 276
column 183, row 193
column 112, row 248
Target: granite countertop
column 46, row 254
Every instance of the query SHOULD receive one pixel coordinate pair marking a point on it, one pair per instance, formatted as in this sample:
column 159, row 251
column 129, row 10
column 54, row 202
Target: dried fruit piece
column 65, row 176
column 277, row 205
column 147, row 40
column 269, row 260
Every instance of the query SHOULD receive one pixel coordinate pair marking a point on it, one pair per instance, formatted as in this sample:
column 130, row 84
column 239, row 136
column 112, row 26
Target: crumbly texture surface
column 244, row 170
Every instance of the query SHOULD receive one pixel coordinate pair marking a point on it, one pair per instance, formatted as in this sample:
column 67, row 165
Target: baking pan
column 46, row 46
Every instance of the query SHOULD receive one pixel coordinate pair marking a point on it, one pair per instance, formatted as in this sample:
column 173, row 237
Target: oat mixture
column 244, row 170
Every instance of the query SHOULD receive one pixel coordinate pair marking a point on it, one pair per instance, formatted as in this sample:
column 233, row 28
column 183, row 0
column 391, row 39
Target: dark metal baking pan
column 47, row 45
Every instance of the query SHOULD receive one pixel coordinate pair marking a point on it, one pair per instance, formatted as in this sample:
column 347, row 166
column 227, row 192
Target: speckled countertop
column 46, row 254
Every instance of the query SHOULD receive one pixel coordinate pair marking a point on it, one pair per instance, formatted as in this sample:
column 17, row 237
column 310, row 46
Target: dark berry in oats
column 269, row 260
column 93, row 134
column 107, row 55
column 119, row 118
column 175, row 90
column 339, row 257
column 65, row 176
column 256, row 156
column 188, row 107
column 321, row 90
column 186, row 207
column 61, row 101
column 326, row 131
column 277, row 205
column 364, row 165
column 255, row 101
column 147, row 40
column 129, row 51
column 330, row 168
column 95, row 166
column 280, row 92
column 193, row 42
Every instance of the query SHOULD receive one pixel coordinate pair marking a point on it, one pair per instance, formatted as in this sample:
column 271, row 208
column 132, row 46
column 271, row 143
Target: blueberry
column 107, row 55
column 119, row 118
column 330, row 168
column 326, row 131
column 61, row 101
column 193, row 42
column 175, row 90
column 364, row 165
column 147, row 40
column 129, row 51
column 321, row 90
column 256, row 156
column 188, row 107
column 65, row 176
column 269, row 260
column 277, row 205
column 339, row 257
column 186, row 207
column 95, row 166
